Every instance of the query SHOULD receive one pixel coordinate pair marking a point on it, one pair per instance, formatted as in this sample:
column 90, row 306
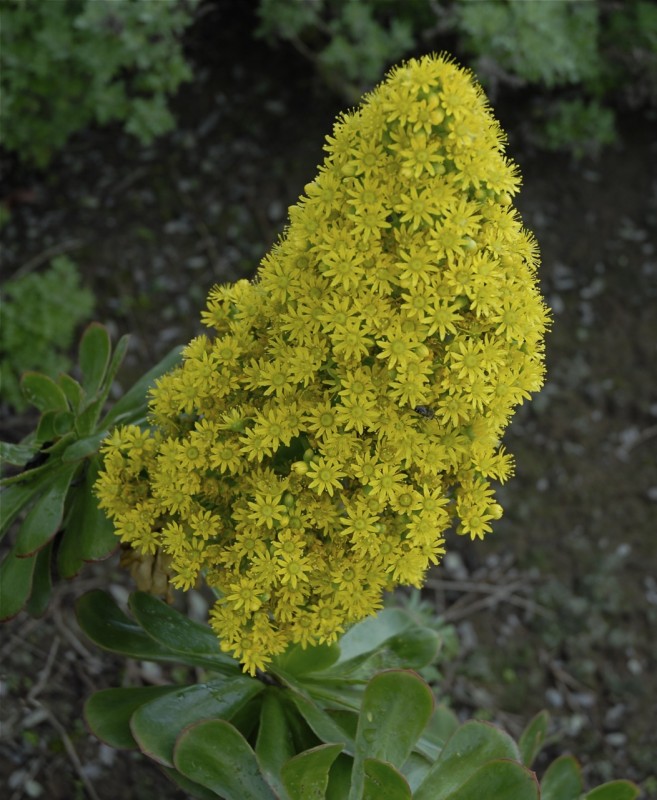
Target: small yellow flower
column 348, row 409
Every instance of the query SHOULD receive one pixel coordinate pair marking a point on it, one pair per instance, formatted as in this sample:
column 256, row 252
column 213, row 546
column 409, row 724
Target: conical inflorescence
column 348, row 408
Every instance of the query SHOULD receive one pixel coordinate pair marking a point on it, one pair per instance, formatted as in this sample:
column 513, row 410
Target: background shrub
column 71, row 63
column 40, row 313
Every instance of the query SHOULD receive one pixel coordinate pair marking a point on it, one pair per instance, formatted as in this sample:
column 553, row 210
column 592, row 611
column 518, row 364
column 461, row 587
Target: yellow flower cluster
column 348, row 409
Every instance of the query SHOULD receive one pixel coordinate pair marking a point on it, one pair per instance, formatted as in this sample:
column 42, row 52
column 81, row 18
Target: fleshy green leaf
column 132, row 406
column 14, row 498
column 218, row 757
column 178, row 633
column 69, row 553
column 614, row 790
column 117, row 359
column 306, row 775
column 41, row 583
column 89, row 534
column 189, row 787
column 41, row 391
column 15, row 583
column 415, row 769
column 533, row 738
column 562, row 780
column 108, row 712
column 499, row 780
column 275, row 744
column 441, row 726
column 396, row 707
column 96, row 536
column 94, row 356
column 471, row 746
column 324, row 727
column 302, row 661
column 72, row 389
column 18, row 455
column 383, row 782
column 339, row 778
column 63, row 423
column 108, row 627
column 45, row 517
column 394, row 641
column 157, row 724
column 45, row 432
column 83, row 448
column 372, row 632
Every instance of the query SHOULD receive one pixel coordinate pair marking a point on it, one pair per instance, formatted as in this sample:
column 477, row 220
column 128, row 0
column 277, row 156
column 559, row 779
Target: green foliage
column 583, row 59
column 580, row 126
column 59, row 462
column 40, row 312
column 546, row 43
column 359, row 724
column 352, row 43
column 71, row 63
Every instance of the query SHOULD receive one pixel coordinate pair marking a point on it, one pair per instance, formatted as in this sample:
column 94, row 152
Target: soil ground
column 557, row 609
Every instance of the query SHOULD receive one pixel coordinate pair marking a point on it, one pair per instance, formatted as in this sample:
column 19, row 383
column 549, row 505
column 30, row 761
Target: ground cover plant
column 437, row 353
column 67, row 65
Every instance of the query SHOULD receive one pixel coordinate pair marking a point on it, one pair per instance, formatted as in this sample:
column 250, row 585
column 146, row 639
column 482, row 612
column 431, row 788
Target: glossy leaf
column 108, row 627
column 393, row 642
column 108, row 712
column 415, row 648
column 95, row 534
column 533, row 738
column 370, row 633
column 499, row 780
column 46, row 432
column 396, row 707
column 190, row 788
column 339, row 778
column 14, row 498
column 275, row 744
column 334, row 692
column 383, row 782
column 41, row 583
column 306, row 775
column 614, row 790
column 441, row 726
column 94, row 357
column 303, row 661
column 156, row 725
column 41, row 391
column 45, row 517
column 83, row 448
column 18, row 455
column 89, row 534
column 86, row 423
column 86, row 420
column 471, row 746
column 218, row 757
column 321, row 723
column 132, row 406
column 72, row 389
column 178, row 633
column 117, row 359
column 415, row 769
column 15, row 583
column 347, row 720
column 562, row 780
column 69, row 553
column 63, row 423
